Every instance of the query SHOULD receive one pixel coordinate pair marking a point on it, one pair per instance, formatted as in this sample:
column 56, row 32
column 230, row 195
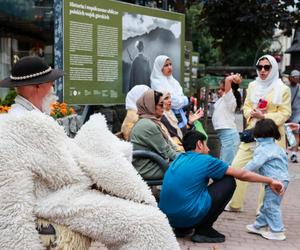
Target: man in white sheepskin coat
column 45, row 174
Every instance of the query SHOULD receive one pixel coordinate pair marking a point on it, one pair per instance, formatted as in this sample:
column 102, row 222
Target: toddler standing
column 270, row 160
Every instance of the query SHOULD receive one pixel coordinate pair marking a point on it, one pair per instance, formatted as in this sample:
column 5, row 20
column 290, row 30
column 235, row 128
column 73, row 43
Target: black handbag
column 247, row 136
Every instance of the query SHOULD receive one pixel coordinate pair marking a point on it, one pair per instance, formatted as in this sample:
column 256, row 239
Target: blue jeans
column 270, row 213
column 230, row 141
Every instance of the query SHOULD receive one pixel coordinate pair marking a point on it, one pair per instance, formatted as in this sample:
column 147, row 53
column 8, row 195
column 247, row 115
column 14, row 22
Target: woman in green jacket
column 149, row 134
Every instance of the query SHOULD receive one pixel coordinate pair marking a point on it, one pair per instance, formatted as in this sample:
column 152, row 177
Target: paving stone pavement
column 233, row 224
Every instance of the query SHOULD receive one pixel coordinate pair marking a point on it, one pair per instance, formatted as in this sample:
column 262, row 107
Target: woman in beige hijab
column 170, row 123
column 148, row 134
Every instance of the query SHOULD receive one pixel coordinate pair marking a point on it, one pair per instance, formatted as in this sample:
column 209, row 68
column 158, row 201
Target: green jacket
column 147, row 135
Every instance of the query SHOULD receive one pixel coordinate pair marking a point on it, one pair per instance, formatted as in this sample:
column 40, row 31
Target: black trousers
column 221, row 192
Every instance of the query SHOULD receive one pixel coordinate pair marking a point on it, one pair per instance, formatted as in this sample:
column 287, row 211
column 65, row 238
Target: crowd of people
column 97, row 179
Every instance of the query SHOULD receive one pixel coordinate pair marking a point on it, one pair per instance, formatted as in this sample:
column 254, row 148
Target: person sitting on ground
column 130, row 103
column 148, row 134
column 170, row 121
column 187, row 199
column 270, row 160
column 86, row 184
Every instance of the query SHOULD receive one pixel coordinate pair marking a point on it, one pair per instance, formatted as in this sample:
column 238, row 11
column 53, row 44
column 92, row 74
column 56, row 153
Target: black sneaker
column 294, row 159
column 208, row 236
column 183, row 232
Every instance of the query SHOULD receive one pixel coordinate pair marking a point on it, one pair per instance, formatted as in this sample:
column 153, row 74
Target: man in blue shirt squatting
column 186, row 198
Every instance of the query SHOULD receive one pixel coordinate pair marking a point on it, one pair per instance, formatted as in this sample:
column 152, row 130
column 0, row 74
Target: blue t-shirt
column 184, row 197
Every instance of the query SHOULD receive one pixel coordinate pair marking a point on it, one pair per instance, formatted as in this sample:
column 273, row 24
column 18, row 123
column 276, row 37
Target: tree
column 240, row 27
column 200, row 36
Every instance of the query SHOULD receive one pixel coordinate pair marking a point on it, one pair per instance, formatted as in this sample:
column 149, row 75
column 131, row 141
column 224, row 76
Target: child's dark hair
column 157, row 96
column 191, row 138
column 265, row 128
column 237, row 95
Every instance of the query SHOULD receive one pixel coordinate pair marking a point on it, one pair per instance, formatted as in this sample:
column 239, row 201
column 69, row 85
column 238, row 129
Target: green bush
column 9, row 98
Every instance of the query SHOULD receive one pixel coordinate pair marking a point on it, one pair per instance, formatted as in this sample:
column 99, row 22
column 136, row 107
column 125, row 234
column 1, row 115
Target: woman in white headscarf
column 162, row 80
column 130, row 103
column 267, row 86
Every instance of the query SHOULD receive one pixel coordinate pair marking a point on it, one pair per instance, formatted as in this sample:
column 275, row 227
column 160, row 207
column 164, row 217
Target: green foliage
column 200, row 36
column 9, row 98
column 239, row 28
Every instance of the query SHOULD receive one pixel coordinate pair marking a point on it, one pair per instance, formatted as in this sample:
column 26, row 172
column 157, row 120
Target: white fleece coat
column 43, row 173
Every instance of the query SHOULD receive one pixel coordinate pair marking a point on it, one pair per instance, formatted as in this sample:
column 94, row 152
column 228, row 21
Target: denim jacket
column 269, row 160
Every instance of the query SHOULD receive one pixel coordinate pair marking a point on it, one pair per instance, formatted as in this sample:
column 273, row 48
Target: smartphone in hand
column 262, row 104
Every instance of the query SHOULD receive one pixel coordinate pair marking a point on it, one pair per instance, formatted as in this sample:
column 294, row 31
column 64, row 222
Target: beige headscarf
column 171, row 117
column 146, row 109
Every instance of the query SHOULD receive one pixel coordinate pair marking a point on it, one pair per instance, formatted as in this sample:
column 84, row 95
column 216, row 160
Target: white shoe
column 228, row 208
column 252, row 229
column 273, row 236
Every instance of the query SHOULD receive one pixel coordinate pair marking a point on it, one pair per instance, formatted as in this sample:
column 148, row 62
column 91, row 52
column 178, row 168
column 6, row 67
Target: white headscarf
column 263, row 87
column 133, row 95
column 162, row 83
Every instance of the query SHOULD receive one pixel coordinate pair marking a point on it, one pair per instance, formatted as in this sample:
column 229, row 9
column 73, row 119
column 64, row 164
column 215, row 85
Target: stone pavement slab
column 233, row 224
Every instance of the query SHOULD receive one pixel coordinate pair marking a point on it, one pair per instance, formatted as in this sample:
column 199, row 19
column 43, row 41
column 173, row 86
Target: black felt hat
column 30, row 70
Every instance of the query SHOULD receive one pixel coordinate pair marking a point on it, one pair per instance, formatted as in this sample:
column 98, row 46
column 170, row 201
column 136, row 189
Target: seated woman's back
column 131, row 116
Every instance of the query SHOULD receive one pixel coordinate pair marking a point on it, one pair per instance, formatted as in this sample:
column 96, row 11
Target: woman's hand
column 236, row 78
column 197, row 115
column 293, row 125
column 257, row 113
column 277, row 187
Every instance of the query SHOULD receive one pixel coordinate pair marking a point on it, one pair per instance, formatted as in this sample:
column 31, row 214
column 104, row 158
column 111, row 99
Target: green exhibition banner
column 109, row 47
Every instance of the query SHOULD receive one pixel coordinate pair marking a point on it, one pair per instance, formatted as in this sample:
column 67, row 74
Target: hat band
column 31, row 76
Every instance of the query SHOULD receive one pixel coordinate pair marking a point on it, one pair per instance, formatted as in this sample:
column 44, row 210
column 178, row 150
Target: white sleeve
column 230, row 101
column 179, row 101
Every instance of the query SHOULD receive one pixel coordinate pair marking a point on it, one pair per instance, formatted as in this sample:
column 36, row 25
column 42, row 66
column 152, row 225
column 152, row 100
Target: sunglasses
column 266, row 67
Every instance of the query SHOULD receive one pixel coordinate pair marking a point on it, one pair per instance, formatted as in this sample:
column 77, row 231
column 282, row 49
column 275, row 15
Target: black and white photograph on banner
column 144, row 38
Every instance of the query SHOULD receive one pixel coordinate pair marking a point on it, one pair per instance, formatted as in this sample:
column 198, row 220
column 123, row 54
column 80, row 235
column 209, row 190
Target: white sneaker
column 228, row 208
column 273, row 236
column 252, row 229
